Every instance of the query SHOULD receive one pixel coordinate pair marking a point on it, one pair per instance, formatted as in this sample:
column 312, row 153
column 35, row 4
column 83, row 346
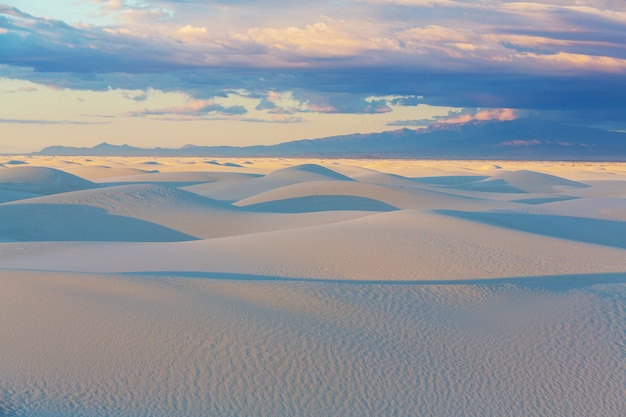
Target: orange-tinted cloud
column 482, row 115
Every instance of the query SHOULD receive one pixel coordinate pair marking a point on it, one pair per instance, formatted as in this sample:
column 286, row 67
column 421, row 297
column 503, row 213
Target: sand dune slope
column 70, row 222
column 185, row 178
column 11, row 195
column 319, row 203
column 581, row 229
column 111, row 211
column 88, row 345
column 610, row 208
column 98, row 173
column 522, row 181
column 292, row 175
column 41, row 180
column 396, row 196
column 404, row 245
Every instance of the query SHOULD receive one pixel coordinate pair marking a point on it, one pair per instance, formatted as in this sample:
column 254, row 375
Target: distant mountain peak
column 105, row 145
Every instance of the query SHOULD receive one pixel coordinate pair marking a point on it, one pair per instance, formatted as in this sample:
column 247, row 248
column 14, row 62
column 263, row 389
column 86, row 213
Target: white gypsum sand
column 273, row 287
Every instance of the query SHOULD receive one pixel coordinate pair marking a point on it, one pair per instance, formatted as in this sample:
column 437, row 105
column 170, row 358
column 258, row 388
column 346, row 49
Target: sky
column 213, row 72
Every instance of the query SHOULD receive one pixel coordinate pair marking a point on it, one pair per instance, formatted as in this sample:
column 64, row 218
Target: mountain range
column 520, row 139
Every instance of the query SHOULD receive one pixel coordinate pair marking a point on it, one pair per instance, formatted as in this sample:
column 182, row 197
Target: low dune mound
column 602, row 189
column 386, row 179
column 405, row 245
column 593, row 230
column 71, row 222
column 451, row 180
column 298, row 174
column 136, row 212
column 396, row 196
column 134, row 200
column 308, row 172
column 103, row 172
column 182, row 211
column 594, row 208
column 371, row 176
column 522, row 181
column 316, row 203
column 181, row 179
column 41, row 180
column 225, row 164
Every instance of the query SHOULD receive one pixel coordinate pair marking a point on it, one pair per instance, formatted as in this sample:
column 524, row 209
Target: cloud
column 463, row 116
column 192, row 32
column 194, row 109
column 319, row 40
column 153, row 40
column 110, row 6
column 136, row 95
column 281, row 103
column 407, row 100
column 286, row 118
column 330, row 58
column 342, row 103
column 482, row 115
column 572, row 62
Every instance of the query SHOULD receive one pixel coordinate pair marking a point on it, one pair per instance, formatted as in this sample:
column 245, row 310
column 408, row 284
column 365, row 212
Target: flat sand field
column 276, row 287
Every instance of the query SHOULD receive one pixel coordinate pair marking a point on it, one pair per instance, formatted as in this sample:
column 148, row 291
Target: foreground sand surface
column 273, row 287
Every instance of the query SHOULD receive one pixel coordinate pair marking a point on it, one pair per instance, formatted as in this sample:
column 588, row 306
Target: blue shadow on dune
column 447, row 180
column 72, row 222
column 580, row 229
column 551, row 282
column 316, row 203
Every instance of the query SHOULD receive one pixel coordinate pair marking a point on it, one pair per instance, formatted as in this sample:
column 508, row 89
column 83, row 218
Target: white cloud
column 189, row 30
column 481, row 115
column 315, row 40
column 563, row 61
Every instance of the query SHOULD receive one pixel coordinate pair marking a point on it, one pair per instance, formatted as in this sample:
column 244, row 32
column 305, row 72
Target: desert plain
column 275, row 287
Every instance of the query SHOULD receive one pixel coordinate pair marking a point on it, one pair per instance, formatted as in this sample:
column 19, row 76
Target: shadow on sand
column 550, row 282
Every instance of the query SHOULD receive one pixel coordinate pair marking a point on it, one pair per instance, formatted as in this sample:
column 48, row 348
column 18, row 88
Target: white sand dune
column 286, row 176
column 407, row 245
column 311, row 288
column 522, row 181
column 374, row 177
column 595, row 208
column 54, row 222
column 602, row 189
column 41, row 180
column 99, row 173
column 185, row 178
column 14, row 162
column 126, row 212
column 396, row 196
column 317, row 203
column 572, row 228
